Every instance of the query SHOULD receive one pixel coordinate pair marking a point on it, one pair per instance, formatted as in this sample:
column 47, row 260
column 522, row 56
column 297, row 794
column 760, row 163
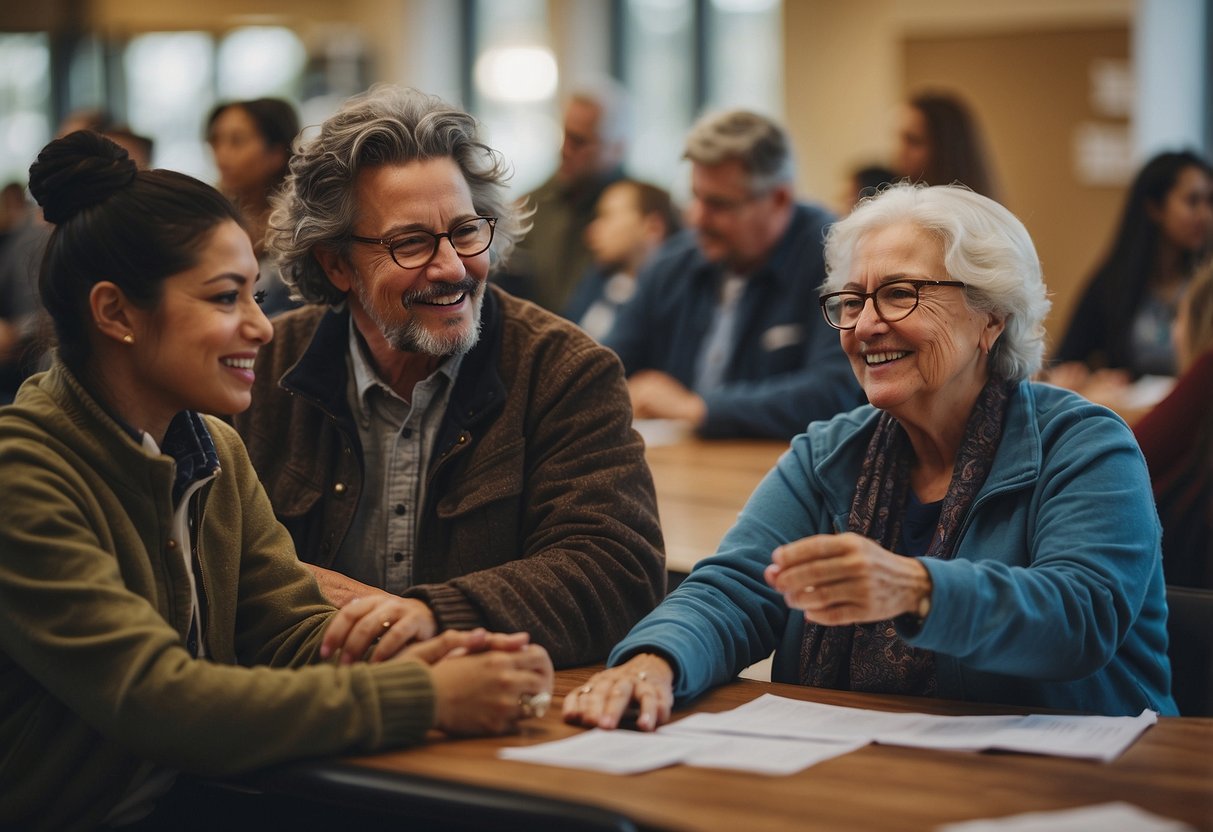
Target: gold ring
column 387, row 625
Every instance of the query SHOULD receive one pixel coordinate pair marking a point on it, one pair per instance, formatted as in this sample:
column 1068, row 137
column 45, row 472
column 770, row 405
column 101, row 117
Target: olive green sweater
column 95, row 601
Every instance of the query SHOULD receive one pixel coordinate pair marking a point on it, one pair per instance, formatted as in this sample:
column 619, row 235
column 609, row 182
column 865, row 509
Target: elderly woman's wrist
column 914, row 617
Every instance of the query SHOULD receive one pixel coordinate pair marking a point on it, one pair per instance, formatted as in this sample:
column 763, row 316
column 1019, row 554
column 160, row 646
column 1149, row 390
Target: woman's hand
column 645, row 679
column 847, row 579
column 386, row 621
column 484, row 693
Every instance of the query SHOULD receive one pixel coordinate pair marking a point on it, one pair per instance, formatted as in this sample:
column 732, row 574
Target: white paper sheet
column 760, row 755
column 613, row 752
column 1094, row 737
column 1102, row 817
column 776, row 735
column 631, row 752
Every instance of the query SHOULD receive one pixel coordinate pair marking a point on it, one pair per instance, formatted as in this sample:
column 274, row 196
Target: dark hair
column 958, row 153
column 113, row 222
column 275, row 119
column 651, row 199
column 1125, row 272
column 871, row 179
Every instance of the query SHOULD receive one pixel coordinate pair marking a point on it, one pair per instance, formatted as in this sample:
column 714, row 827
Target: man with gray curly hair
column 424, row 434
column 723, row 332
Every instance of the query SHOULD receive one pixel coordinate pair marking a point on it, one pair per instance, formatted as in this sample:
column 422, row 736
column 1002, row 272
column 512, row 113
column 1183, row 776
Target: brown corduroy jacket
column 540, row 512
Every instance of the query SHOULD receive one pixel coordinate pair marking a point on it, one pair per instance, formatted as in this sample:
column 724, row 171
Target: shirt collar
column 190, row 445
column 366, row 378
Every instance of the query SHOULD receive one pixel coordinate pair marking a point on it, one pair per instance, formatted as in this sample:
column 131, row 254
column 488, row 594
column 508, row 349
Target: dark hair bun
column 75, row 172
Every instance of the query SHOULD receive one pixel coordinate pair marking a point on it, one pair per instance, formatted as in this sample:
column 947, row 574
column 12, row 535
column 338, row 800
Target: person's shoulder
column 826, row 437
column 813, row 214
column 293, row 331
column 1065, row 420
column 674, row 258
column 546, row 191
column 527, row 326
column 300, row 322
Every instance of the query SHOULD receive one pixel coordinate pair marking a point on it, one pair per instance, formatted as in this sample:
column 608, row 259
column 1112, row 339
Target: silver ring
column 534, row 704
column 387, row 625
column 641, row 676
column 585, row 689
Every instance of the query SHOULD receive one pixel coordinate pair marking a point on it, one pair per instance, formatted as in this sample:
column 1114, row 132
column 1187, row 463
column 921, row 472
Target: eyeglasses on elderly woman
column 893, row 301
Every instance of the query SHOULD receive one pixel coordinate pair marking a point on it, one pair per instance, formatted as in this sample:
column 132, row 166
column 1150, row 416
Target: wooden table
column 1168, row 771
column 701, row 486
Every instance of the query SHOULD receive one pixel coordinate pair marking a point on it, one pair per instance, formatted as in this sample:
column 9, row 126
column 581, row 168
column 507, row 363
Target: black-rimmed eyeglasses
column 414, row 249
column 892, row 302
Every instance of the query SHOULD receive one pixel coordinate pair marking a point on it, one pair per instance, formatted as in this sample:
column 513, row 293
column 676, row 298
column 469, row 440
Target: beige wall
column 1031, row 92
column 1022, row 64
column 848, row 65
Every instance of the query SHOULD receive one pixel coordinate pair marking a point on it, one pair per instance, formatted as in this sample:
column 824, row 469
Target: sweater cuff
column 406, row 702
column 451, row 608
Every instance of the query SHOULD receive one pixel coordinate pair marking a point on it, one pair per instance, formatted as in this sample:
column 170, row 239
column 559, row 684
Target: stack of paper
column 785, row 735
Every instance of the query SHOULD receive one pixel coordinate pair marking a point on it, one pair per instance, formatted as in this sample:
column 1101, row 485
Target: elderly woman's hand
column 847, row 579
column 645, row 679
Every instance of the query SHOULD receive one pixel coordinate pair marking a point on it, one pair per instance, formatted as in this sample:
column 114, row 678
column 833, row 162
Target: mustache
column 436, row 290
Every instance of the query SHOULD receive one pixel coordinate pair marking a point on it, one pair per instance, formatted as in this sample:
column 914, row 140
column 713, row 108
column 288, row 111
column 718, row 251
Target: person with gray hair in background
column 426, row 435
column 723, row 332
column 553, row 256
column 968, row 534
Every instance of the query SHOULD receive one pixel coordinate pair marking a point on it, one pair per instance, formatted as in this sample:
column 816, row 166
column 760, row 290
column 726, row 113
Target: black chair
column 1190, row 627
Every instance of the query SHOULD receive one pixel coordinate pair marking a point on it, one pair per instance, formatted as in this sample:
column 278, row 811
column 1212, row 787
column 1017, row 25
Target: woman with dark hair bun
column 156, row 618
column 251, row 141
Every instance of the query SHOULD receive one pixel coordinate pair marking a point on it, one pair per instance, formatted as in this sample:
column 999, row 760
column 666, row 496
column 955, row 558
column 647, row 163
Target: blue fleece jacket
column 1054, row 598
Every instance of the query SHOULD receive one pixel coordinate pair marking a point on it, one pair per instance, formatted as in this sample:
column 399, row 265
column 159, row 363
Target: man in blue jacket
column 724, row 331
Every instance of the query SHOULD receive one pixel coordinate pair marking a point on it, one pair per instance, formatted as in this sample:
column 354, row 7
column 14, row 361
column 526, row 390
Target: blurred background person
column 251, row 141
column 1123, row 319
column 864, row 181
column 25, row 329
column 722, row 336
column 631, row 221
column 553, row 256
column 939, row 142
column 1176, row 437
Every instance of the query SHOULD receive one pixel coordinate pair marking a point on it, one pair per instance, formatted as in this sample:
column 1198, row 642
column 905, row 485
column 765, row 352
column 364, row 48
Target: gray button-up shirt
column 398, row 440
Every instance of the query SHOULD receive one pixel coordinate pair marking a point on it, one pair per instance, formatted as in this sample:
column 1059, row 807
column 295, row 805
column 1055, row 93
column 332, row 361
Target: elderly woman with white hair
column 968, row 534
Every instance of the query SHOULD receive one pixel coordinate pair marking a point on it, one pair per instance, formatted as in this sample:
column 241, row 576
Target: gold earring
column 128, row 338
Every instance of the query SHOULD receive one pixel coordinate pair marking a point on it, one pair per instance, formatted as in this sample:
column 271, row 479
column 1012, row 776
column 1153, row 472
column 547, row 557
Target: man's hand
column 387, row 622
column 657, row 395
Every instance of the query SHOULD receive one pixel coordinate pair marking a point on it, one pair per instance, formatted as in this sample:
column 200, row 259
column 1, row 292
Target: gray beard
column 411, row 336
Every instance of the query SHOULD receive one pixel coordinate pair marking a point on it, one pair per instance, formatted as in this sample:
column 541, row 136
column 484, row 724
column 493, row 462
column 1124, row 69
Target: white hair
column 984, row 245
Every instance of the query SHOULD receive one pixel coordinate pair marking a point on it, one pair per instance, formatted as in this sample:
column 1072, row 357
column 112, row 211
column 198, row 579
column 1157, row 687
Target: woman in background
column 1123, row 320
column 156, row 618
column 1177, row 440
column 251, row 141
column 939, row 143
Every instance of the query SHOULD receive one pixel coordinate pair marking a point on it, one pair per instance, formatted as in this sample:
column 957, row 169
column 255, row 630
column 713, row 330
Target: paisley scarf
column 872, row 657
